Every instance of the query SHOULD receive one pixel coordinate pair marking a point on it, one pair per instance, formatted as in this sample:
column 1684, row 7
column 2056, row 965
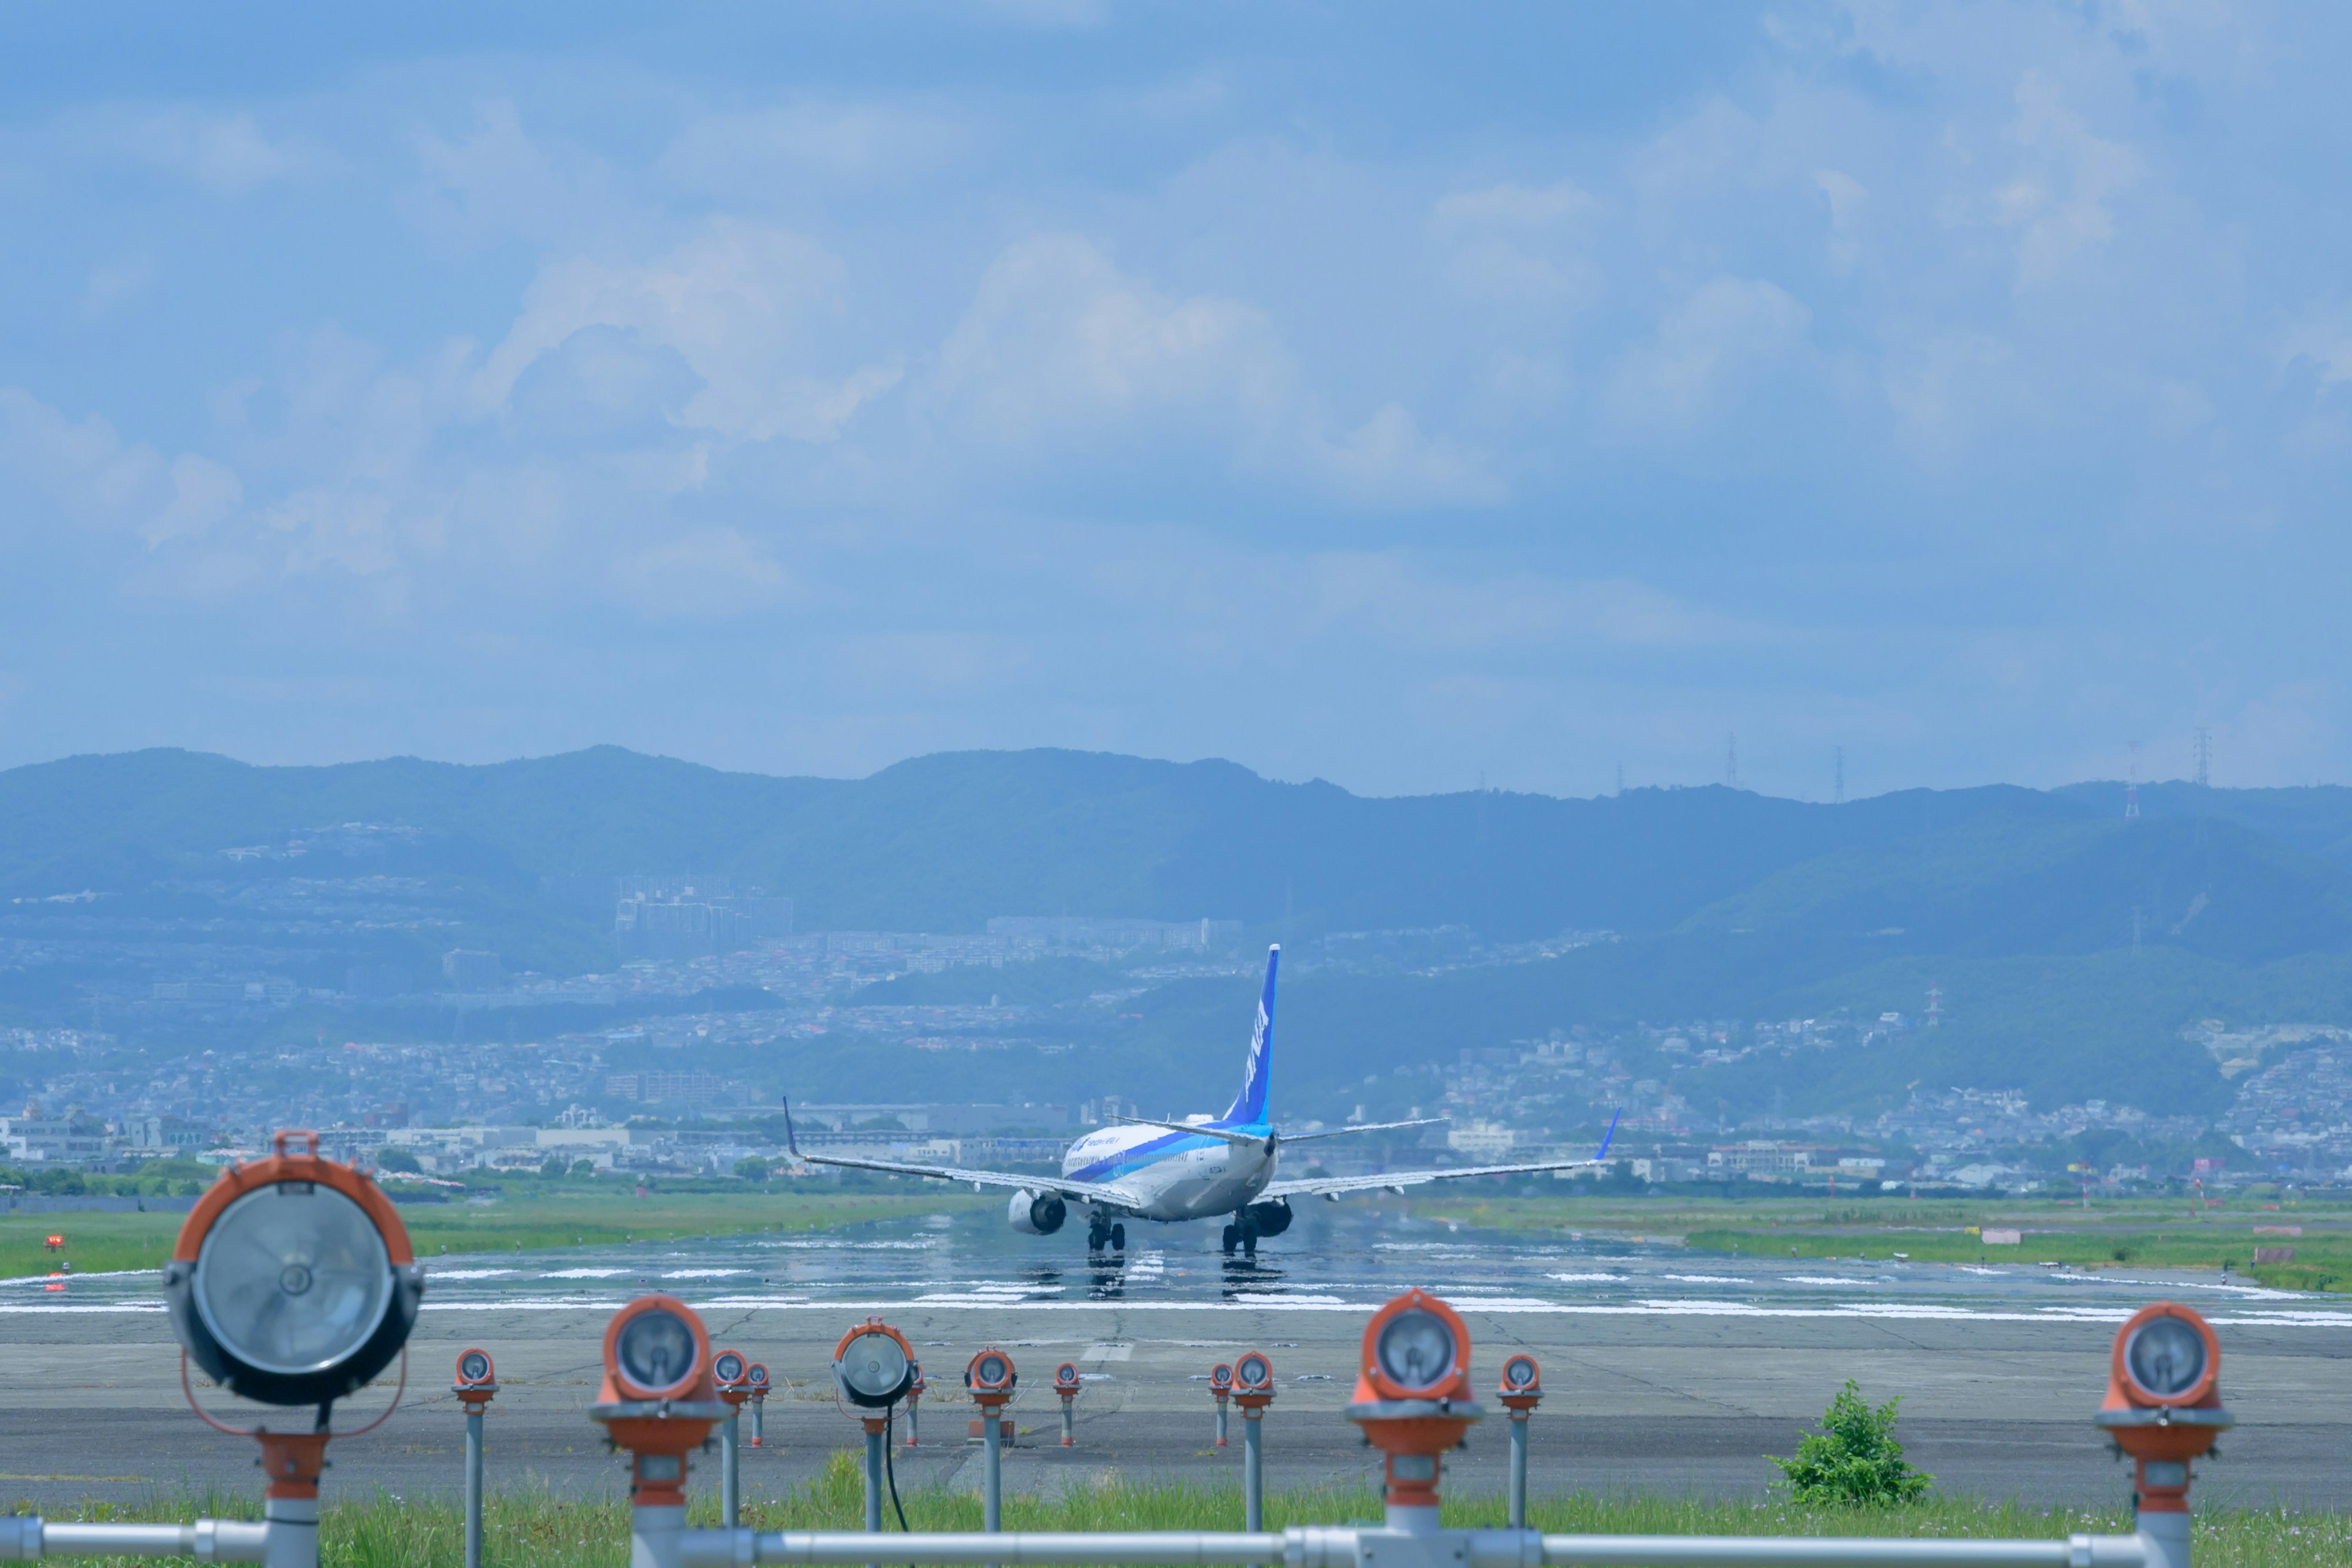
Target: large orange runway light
column 292, row 1283
column 2164, row 1409
column 992, row 1379
column 1519, row 1393
column 1412, row 1399
column 873, row 1368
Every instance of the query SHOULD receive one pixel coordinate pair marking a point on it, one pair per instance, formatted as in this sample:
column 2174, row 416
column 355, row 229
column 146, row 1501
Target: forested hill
column 940, row 843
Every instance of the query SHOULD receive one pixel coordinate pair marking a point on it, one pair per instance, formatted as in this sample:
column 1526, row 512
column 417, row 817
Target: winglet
column 792, row 1144
column 1599, row 1155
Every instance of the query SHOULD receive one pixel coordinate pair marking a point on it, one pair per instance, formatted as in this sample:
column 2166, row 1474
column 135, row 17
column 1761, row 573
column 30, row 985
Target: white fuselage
column 1172, row 1175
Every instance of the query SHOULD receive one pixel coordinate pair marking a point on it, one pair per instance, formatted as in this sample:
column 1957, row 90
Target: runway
column 1666, row 1371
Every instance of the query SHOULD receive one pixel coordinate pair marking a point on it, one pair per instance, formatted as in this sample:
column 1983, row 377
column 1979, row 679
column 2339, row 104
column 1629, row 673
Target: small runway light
column 1254, row 1391
column 729, row 1372
column 1412, row 1399
column 992, row 1379
column 477, row 1379
column 1520, row 1392
column 1066, row 1383
column 755, row 1377
column 1220, row 1389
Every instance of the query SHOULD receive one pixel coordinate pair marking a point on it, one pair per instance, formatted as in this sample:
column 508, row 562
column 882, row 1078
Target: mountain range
column 2072, row 944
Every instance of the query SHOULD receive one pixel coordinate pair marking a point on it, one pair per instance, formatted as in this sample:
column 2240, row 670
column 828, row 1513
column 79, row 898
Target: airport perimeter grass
column 2140, row 1233
column 523, row 1220
column 530, row 1529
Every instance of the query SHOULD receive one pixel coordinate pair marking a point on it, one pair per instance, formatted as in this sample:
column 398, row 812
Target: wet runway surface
column 1667, row 1370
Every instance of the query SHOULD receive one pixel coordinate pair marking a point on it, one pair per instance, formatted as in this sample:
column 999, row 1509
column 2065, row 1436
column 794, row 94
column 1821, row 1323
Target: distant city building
column 1481, row 1140
column 693, row 916
column 670, row 1087
column 1085, row 930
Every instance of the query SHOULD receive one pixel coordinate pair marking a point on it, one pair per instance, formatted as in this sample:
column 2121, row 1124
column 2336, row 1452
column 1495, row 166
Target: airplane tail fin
column 1249, row 1106
column 1607, row 1138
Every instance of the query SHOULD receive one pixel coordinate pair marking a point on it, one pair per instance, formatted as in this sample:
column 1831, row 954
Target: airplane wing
column 1085, row 1192
column 1332, row 1187
column 1362, row 1127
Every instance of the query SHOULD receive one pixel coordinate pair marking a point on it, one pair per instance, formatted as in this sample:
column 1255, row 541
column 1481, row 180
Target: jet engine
column 1042, row 1213
column 1270, row 1219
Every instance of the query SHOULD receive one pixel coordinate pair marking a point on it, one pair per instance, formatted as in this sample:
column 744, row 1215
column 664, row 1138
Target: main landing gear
column 1099, row 1235
column 1243, row 1235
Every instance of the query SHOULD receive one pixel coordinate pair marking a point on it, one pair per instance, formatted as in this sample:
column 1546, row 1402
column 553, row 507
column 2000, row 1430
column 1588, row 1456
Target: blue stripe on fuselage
column 1149, row 1152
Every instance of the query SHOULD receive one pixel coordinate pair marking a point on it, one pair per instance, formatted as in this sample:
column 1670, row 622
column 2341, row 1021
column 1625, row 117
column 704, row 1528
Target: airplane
column 1194, row 1169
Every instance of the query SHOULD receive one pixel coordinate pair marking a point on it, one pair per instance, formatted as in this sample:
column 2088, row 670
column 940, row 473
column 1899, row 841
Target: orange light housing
column 1254, row 1382
column 1521, row 1388
column 2164, row 1399
column 991, row 1376
column 1413, row 1393
column 1065, row 1379
column 657, row 1400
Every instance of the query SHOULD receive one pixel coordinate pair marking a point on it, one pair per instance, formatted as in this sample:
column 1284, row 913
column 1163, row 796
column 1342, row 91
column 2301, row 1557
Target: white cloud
column 229, row 155
column 114, row 284
column 736, row 302
column 698, row 573
column 1059, row 345
column 97, row 479
column 749, row 156
column 1521, row 243
column 1846, row 197
column 2062, row 200
column 1707, row 344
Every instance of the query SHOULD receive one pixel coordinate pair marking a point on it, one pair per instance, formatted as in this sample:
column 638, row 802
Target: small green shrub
column 1853, row 1460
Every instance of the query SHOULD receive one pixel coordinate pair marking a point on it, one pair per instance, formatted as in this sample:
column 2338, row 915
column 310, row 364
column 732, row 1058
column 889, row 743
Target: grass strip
column 529, row 1528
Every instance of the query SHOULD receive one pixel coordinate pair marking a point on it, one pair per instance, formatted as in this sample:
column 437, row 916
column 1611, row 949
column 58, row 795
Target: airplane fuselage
column 1173, row 1176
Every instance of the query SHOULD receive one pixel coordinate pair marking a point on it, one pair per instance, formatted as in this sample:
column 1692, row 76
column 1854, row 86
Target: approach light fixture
column 2164, row 1408
column 475, row 1371
column 1522, row 1379
column 873, row 1366
column 1412, row 1398
column 292, row 1282
column 657, row 1400
column 726, row 1369
column 991, row 1376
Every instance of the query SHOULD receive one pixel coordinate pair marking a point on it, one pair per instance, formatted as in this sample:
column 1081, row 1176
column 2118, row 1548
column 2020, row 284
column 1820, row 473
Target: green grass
column 560, row 1215
column 2139, row 1233
column 535, row 1530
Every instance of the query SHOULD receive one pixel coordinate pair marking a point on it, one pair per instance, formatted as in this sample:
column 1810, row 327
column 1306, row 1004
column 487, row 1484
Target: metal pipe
column 725, row 1548
column 1220, row 1423
column 1821, row 1552
column 1343, row 1547
column 731, row 1471
column 992, row 1437
column 291, row 1538
column 207, row 1540
column 658, row 1536
column 873, row 1480
column 760, row 1423
column 1253, row 1473
column 1518, row 1473
column 1069, row 1440
column 474, row 1488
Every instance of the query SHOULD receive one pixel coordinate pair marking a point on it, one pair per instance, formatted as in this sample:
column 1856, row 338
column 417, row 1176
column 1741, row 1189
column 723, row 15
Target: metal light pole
column 1521, row 1391
column 477, row 1382
column 1254, row 1391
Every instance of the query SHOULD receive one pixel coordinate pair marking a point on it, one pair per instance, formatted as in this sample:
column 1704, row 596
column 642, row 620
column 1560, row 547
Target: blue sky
column 1402, row 396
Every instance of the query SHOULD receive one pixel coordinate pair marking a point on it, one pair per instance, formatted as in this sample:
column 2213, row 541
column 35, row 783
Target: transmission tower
column 1840, row 751
column 2204, row 757
column 2131, row 801
column 1731, row 761
column 1621, row 778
